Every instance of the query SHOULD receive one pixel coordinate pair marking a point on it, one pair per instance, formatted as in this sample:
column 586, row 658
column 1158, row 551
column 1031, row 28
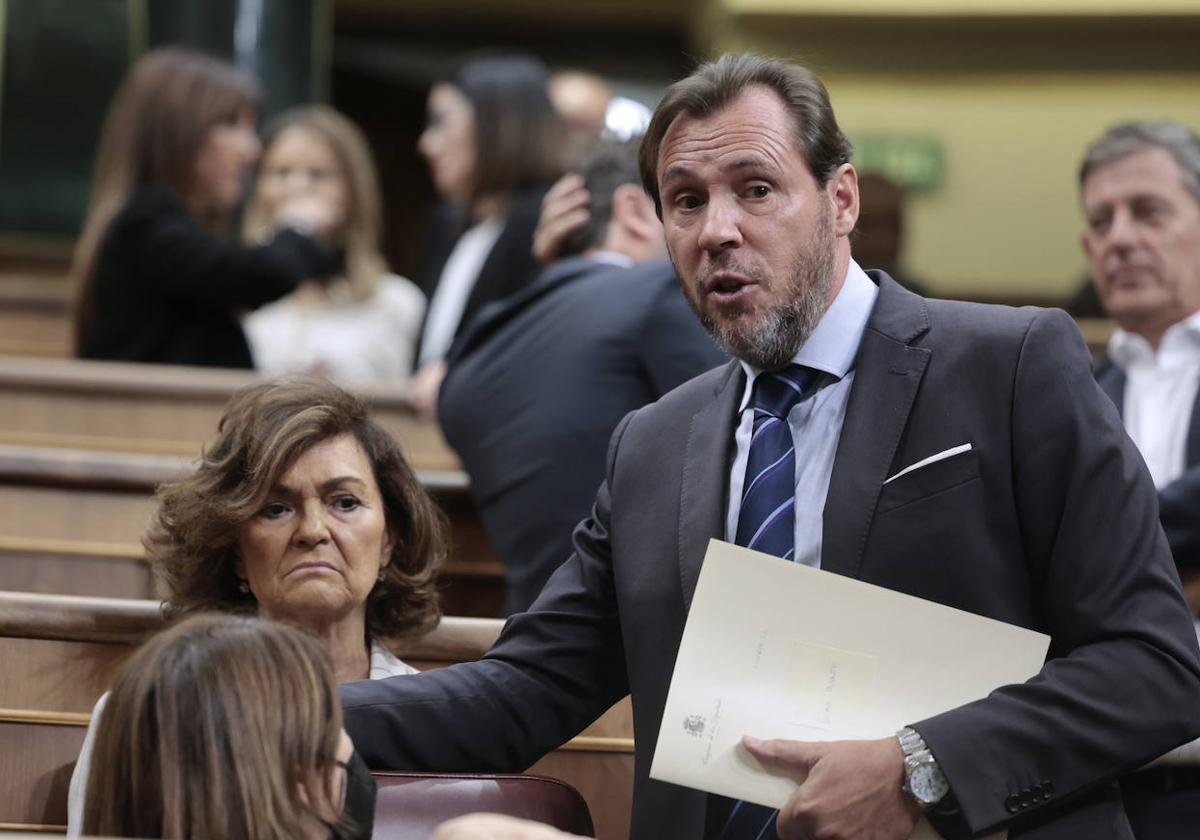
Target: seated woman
column 157, row 278
column 227, row 727
column 363, row 328
column 302, row 509
column 230, row 727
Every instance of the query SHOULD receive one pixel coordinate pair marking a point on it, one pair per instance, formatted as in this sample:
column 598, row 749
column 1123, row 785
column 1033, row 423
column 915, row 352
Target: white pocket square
column 932, row 459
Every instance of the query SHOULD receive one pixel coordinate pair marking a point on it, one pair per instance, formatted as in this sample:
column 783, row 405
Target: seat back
column 411, row 805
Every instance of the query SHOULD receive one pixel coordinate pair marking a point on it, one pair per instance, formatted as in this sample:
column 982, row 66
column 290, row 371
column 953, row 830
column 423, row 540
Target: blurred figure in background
column 581, row 99
column 493, row 144
column 879, row 234
column 156, row 276
column 1140, row 190
column 361, row 327
column 539, row 381
column 224, row 727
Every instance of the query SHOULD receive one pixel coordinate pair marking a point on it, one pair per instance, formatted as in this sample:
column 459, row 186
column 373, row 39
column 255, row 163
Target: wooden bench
column 159, row 409
column 59, row 653
column 35, row 316
column 71, row 522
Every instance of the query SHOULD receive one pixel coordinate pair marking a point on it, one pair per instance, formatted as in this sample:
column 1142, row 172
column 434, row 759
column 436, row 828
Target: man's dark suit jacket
column 1179, row 501
column 1048, row 522
column 538, row 383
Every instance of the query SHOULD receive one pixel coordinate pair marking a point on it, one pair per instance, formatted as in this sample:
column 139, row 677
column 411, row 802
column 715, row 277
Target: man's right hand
column 564, row 209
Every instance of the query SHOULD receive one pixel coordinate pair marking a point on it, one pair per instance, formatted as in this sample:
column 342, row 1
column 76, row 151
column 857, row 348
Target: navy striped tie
column 767, row 519
column 767, row 522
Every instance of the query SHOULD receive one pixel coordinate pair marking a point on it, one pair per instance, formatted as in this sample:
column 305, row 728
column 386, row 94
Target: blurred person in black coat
column 539, row 381
column 493, row 144
column 158, row 280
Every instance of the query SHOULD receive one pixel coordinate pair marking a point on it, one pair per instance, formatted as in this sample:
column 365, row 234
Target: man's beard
column 777, row 333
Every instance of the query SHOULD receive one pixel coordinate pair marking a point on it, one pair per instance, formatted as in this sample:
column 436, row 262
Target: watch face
column 928, row 784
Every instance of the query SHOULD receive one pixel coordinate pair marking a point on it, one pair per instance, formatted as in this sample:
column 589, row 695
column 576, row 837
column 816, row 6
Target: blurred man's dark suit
column 1049, row 521
column 536, row 386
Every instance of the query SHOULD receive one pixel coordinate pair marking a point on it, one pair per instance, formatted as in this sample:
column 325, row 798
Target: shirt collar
column 610, row 257
column 1126, row 348
column 385, row 662
column 833, row 345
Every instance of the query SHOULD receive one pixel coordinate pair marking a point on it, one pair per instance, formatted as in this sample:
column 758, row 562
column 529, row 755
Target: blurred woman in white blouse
column 361, row 327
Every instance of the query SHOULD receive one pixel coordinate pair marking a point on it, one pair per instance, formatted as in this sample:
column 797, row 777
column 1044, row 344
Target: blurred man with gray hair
column 1140, row 189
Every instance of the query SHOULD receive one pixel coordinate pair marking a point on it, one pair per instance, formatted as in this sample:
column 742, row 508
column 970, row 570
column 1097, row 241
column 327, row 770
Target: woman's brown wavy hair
column 265, row 428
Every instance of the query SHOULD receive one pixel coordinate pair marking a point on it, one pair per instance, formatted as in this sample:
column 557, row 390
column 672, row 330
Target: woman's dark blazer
column 509, row 266
column 167, row 290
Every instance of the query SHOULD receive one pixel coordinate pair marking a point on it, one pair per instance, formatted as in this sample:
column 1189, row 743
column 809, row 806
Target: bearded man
column 957, row 452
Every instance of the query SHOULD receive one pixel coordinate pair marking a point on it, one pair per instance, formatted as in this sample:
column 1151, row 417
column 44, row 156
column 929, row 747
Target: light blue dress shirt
column 815, row 421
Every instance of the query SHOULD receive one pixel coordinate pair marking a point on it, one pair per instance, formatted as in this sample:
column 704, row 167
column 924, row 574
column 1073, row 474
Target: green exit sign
column 911, row 162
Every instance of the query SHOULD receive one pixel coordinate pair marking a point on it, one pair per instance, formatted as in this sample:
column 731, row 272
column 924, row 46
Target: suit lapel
column 887, row 374
column 705, row 478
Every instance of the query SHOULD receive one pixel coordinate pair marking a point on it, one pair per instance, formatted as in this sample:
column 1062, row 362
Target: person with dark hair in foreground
column 539, row 381
column 228, row 727
column 956, row 452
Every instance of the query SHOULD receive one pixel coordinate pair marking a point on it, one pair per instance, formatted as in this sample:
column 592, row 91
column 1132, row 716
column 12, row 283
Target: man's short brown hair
column 716, row 84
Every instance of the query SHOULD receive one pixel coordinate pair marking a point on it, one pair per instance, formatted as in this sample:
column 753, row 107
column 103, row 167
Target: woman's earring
column 244, row 587
column 382, row 574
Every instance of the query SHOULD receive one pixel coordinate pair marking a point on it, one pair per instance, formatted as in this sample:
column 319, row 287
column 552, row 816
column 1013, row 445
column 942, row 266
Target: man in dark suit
column 1140, row 189
column 956, row 452
column 539, row 381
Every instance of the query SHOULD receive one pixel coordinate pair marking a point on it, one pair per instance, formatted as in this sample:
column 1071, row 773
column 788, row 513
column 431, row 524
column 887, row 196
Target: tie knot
column 776, row 391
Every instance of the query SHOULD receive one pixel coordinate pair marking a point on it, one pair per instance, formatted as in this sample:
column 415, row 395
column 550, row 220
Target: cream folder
column 775, row 649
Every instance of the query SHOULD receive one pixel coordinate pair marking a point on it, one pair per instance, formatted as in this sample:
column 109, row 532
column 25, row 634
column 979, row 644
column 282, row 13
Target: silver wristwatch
column 923, row 779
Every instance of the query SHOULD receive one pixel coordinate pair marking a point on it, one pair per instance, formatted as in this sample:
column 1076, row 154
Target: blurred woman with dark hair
column 493, row 143
column 157, row 278
column 227, row 727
